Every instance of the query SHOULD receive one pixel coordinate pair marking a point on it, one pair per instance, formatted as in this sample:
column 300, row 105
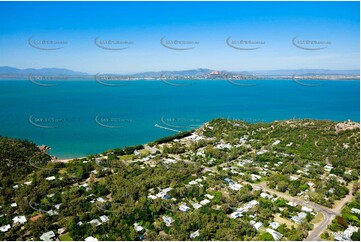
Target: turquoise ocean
column 77, row 118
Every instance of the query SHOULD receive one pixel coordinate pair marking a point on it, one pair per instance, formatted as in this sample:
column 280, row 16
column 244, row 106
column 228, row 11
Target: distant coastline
column 49, row 74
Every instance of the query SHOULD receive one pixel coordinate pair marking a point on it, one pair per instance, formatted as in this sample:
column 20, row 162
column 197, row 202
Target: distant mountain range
column 7, row 72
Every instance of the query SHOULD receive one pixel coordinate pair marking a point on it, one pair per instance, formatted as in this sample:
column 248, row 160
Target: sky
column 273, row 25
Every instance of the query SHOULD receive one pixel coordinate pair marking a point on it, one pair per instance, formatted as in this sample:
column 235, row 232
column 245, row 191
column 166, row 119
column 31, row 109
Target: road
column 328, row 213
column 317, row 231
column 314, row 206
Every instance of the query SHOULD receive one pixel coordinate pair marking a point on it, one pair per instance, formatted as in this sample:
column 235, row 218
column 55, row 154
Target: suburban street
column 328, row 213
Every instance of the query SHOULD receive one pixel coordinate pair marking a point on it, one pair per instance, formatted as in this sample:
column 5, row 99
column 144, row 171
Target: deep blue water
column 77, row 118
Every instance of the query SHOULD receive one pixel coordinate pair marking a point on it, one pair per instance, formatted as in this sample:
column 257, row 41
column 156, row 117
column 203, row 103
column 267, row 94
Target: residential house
column 196, row 205
column 184, row 208
column 266, row 195
column 90, row 238
column 328, row 168
column 205, row 201
column 355, row 210
column 19, row 219
column 168, row 220
column 257, row 225
column 95, row 222
column 5, row 228
column 274, row 225
column 296, row 219
column 307, row 209
column 235, row 186
column 194, row 234
column 137, row 227
column 48, row 236
column 236, row 215
column 276, row 235
column 302, row 215
column 104, row 218
column 255, row 177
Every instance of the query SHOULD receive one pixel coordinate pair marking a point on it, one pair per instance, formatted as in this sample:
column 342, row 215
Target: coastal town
column 228, row 180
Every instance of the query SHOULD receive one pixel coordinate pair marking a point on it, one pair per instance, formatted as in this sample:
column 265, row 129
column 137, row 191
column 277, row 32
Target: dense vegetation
column 119, row 183
column 18, row 159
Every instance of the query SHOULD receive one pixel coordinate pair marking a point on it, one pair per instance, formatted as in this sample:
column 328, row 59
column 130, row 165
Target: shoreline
column 161, row 80
column 67, row 159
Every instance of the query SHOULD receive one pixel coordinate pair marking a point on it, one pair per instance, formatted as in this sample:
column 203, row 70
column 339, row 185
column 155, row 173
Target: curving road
column 328, row 213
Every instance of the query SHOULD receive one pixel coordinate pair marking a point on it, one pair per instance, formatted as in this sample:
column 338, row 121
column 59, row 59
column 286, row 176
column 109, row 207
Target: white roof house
column 194, row 234
column 328, row 168
column 274, row 225
column 194, row 137
column 302, row 215
column 184, row 208
column 255, row 177
column 236, row 215
column 276, row 235
column 266, row 195
column 169, row 161
column 296, row 219
column 205, row 201
column 209, row 196
column 257, row 225
column 349, row 231
column 152, row 197
column 95, row 222
column 48, row 236
column 306, row 209
column 101, row 200
column 90, row 238
column 51, row 212
column 13, row 205
column 104, row 218
column 276, row 142
column 292, row 204
column 235, row 186
column 196, row 205
column 168, row 220
column 355, row 210
column 61, row 230
column 224, row 146
column 161, row 194
column 5, row 228
column 249, row 205
column 137, row 227
column 293, row 178
column 50, row 178
column 262, row 152
column 19, row 219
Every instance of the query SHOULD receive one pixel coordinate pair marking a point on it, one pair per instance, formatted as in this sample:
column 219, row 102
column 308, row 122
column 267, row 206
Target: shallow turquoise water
column 77, row 118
